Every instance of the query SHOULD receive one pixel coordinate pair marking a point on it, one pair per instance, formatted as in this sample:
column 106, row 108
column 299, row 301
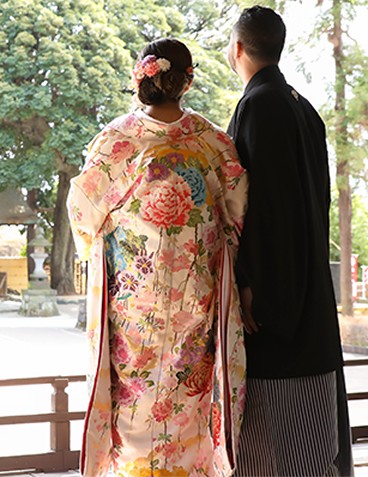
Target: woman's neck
column 167, row 112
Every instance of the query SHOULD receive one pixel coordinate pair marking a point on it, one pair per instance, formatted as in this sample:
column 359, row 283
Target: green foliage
column 62, row 69
column 359, row 228
column 205, row 28
column 64, row 65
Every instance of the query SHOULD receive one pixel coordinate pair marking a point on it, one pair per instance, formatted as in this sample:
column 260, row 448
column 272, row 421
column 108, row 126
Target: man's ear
column 239, row 50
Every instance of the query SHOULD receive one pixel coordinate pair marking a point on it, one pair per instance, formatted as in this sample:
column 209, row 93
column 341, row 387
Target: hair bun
column 163, row 72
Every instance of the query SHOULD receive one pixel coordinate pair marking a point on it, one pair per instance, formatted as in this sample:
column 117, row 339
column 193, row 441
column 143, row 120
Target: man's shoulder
column 263, row 96
column 267, row 97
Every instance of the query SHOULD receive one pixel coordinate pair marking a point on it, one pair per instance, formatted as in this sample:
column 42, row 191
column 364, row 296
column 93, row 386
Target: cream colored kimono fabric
column 157, row 211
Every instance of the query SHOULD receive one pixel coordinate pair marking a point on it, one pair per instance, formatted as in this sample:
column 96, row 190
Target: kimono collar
column 268, row 74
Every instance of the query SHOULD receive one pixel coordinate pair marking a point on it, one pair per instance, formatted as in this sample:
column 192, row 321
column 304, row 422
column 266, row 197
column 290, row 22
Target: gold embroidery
column 295, row 94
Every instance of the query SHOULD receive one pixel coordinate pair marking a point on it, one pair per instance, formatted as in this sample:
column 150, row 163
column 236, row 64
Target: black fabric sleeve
column 272, row 257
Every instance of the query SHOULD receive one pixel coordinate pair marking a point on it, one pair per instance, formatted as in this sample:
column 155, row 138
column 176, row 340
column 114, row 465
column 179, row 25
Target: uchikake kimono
column 157, row 211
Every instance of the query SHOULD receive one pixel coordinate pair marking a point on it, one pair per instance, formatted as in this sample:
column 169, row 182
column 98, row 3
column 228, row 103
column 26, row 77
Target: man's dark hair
column 262, row 32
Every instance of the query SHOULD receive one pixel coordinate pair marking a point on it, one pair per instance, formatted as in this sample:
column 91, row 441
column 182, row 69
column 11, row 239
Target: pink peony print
column 167, row 358
column 121, row 150
column 146, row 302
column 210, row 235
column 182, row 320
column 205, row 301
column 125, row 395
column 188, row 124
column 167, row 257
column 103, row 417
column 121, row 309
column 232, row 170
column 175, row 294
column 131, row 168
column 202, row 458
column 91, row 183
column 170, row 382
column 191, row 247
column 181, row 263
column 129, row 122
column 122, row 355
column 167, row 205
column 120, row 350
column 181, row 419
column 146, row 355
column 172, row 452
column 137, row 386
column 175, row 133
column 162, row 410
column 112, row 197
column 225, row 139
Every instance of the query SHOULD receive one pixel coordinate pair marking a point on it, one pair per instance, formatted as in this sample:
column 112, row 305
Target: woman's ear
column 187, row 88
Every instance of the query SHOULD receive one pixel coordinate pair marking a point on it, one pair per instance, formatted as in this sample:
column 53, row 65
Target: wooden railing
column 358, row 432
column 60, row 457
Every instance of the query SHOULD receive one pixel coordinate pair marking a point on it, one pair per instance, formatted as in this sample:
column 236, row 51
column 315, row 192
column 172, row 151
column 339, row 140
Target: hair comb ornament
column 150, row 66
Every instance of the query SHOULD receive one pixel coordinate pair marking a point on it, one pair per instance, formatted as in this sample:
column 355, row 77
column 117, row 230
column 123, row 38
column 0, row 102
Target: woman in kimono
column 157, row 211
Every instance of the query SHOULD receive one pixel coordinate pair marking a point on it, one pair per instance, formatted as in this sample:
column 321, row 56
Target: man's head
column 259, row 34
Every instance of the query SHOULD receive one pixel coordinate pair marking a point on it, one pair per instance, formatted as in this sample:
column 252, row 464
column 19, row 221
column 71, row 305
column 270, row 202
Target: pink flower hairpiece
column 150, row 66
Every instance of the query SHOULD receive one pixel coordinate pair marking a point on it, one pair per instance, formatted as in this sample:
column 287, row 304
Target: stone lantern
column 39, row 276
column 39, row 299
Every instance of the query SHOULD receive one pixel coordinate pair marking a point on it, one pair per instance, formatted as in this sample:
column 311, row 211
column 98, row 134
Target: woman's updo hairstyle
column 166, row 86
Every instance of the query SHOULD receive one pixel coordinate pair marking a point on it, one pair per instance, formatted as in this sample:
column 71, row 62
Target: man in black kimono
column 296, row 421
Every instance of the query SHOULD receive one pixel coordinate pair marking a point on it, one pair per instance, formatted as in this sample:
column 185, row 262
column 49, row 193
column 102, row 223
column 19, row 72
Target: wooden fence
column 358, row 432
column 60, row 457
column 16, row 272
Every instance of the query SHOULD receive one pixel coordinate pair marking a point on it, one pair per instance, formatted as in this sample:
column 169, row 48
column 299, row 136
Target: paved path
column 32, row 347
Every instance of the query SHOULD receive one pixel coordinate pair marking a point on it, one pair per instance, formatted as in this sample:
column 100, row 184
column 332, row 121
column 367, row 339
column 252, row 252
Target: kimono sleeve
column 86, row 202
column 235, row 189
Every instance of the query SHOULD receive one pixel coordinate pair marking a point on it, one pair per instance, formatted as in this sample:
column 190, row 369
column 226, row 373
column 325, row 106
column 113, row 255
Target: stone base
column 39, row 303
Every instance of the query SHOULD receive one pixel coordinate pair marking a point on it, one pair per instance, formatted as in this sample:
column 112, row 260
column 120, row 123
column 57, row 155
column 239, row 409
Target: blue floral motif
column 196, row 182
column 114, row 252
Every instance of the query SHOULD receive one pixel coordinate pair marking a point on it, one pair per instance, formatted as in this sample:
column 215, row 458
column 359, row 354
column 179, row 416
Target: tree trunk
column 343, row 172
column 31, row 230
column 346, row 251
column 63, row 249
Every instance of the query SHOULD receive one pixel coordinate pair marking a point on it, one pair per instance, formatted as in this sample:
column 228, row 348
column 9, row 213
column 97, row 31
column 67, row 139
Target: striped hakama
column 295, row 427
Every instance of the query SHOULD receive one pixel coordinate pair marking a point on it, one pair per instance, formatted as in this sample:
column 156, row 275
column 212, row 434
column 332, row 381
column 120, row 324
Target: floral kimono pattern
column 157, row 210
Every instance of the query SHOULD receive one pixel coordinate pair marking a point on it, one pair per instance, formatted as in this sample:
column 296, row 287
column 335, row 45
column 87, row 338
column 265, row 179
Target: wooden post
column 60, row 431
